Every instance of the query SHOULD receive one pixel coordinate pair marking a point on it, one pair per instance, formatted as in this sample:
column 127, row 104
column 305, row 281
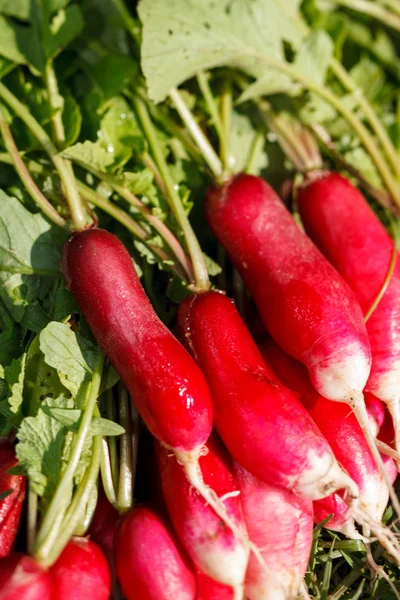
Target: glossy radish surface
column 344, row 227
column 340, row 427
column 209, row 589
column 281, row 525
column 11, row 505
column 21, row 578
column 169, row 390
column 210, row 544
column 81, row 570
column 262, row 423
column 150, row 562
column 305, row 305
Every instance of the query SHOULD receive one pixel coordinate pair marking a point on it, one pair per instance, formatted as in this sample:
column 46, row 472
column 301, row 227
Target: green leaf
column 69, row 353
column 64, row 304
column 16, row 8
column 21, row 294
column 119, row 131
column 72, row 120
column 40, row 448
column 5, row 494
column 109, row 379
column 64, row 28
column 212, row 267
column 10, row 407
column 113, row 74
column 10, row 36
column 89, row 153
column 28, row 243
column 70, row 418
column 194, row 36
column 242, row 132
column 10, row 338
column 105, row 427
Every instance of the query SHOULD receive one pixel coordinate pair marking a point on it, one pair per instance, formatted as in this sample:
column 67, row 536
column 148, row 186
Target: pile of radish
column 195, row 405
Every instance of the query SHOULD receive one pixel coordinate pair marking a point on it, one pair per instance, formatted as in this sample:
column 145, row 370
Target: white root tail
column 360, row 411
column 383, row 534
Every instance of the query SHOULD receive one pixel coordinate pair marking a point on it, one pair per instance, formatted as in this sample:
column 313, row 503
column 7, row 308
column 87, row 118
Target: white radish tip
column 315, row 484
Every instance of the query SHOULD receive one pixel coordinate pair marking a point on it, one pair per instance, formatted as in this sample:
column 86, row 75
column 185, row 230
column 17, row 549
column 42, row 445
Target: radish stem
column 32, row 515
column 107, row 473
column 255, row 150
column 125, row 485
column 373, row 9
column 68, row 181
column 26, row 177
column 226, row 115
column 112, row 441
column 199, row 267
column 206, row 149
column 202, row 80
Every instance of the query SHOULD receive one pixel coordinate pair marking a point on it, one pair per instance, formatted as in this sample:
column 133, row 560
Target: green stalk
column 49, row 554
column 87, row 517
column 226, row 116
column 213, row 111
column 107, row 473
column 112, row 441
column 55, row 101
column 255, row 150
column 373, row 9
column 32, row 515
column 29, row 184
column 65, row 484
column 370, row 114
column 131, row 225
column 362, row 132
column 64, row 171
column 146, row 213
column 199, row 268
column 129, row 21
column 206, row 149
column 125, row 486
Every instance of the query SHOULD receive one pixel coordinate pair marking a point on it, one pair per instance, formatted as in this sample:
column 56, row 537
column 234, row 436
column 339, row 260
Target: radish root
column 383, row 534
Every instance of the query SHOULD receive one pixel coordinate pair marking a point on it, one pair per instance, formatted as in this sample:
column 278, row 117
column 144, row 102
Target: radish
column 11, row 505
column 308, row 309
column 81, row 571
column 344, row 227
column 341, row 519
column 104, row 524
column 281, row 525
column 169, row 389
column 149, row 560
column 209, row 589
column 21, row 578
column 209, row 543
column 251, row 406
column 340, row 427
column 263, row 423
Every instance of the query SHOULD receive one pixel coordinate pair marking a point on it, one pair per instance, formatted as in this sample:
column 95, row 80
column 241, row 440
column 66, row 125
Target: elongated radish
column 341, row 519
column 340, row 427
column 169, row 390
column 209, row 589
column 339, row 220
column 11, row 505
column 104, row 524
column 376, row 412
column 21, row 578
column 281, row 525
column 306, row 306
column 262, row 423
column 82, row 570
column 150, row 563
column 210, row 544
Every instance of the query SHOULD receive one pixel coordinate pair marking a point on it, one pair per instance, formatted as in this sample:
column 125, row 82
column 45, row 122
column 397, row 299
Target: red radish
column 21, row 578
column 339, row 220
column 209, row 589
column 376, row 412
column 104, row 524
column 306, row 306
column 11, row 505
column 169, row 389
column 82, row 571
column 340, row 427
column 210, row 544
column 341, row 519
column 262, row 423
column 149, row 560
column 281, row 525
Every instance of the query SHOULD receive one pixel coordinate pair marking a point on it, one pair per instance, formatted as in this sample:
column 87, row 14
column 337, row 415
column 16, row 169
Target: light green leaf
column 242, row 133
column 369, row 77
column 212, row 267
column 194, row 36
column 272, row 82
column 69, row 353
column 10, row 35
column 105, row 427
column 70, row 418
column 40, row 448
column 21, row 294
column 362, row 162
column 15, row 8
column 119, row 131
column 89, row 153
column 313, row 57
column 28, row 243
column 72, row 120
column 10, row 407
column 64, row 27
column 113, row 74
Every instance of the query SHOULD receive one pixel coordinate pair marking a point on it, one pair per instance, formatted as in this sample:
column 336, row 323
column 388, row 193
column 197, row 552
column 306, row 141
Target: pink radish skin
column 209, row 589
column 340, row 427
column 305, row 305
column 11, row 505
column 21, row 578
column 341, row 520
column 169, row 389
column 281, row 525
column 344, row 227
column 210, row 544
column 82, row 571
column 262, row 423
column 150, row 563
